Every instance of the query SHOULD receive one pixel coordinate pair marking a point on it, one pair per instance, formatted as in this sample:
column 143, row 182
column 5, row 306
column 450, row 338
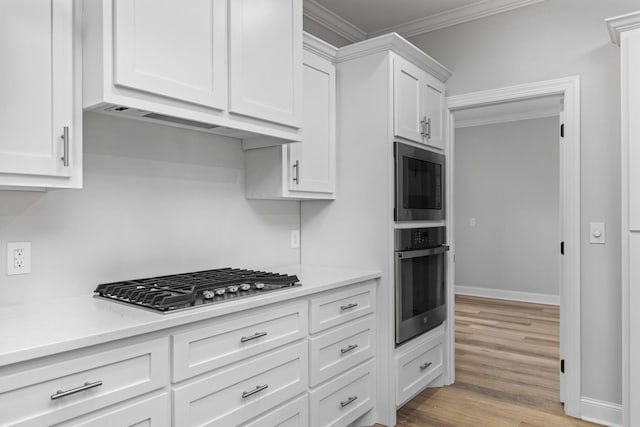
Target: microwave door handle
column 423, row 252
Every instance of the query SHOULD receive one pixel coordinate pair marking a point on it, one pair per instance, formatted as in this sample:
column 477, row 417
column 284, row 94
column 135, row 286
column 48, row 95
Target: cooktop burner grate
column 179, row 291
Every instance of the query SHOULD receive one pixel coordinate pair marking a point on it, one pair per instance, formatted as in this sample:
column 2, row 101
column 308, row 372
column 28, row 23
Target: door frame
column 569, row 89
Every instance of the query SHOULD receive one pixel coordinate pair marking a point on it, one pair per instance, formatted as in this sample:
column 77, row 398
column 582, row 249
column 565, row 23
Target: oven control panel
column 419, row 238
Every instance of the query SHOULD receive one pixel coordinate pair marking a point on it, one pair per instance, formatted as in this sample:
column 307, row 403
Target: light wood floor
column 507, row 362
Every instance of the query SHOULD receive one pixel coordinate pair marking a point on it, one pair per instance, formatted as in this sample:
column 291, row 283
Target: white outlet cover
column 12, row 262
column 597, row 232
column 295, row 239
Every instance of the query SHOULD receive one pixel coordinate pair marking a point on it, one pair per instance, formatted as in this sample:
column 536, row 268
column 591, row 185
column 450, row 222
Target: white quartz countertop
column 29, row 331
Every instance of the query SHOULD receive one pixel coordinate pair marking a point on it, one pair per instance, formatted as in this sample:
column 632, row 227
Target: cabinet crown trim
column 622, row 23
column 319, row 47
column 395, row 43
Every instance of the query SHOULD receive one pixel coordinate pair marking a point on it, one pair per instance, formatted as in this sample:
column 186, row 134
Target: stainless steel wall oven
column 420, row 184
column 420, row 280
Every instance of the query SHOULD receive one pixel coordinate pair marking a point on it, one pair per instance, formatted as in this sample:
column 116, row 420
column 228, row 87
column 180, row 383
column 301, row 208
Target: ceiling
column 535, row 108
column 357, row 20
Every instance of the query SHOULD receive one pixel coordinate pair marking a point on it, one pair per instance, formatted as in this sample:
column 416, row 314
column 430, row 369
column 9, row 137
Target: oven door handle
column 422, row 252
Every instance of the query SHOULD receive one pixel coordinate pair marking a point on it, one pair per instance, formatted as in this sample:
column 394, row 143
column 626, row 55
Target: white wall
column 156, row 200
column 507, row 179
column 552, row 39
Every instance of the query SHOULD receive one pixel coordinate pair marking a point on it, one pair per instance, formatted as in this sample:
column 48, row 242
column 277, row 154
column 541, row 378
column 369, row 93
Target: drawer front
column 340, row 307
column 417, row 368
column 153, row 412
column 107, row 377
column 344, row 399
column 244, row 390
column 237, row 337
column 293, row 414
column 341, row 349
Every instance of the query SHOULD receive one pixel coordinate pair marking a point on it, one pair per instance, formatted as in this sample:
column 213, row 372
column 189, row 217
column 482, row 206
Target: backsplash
column 156, row 200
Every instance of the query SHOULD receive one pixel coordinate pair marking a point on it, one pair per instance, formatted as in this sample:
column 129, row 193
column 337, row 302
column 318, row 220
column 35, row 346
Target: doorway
column 568, row 89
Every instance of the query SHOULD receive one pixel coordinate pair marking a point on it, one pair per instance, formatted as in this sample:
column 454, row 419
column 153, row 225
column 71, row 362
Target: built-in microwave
column 420, row 184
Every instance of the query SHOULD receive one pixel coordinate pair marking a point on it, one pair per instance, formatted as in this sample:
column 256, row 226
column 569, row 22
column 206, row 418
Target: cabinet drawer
column 237, row 337
column 417, row 368
column 339, row 307
column 155, row 412
column 293, row 414
column 341, row 349
column 244, row 390
column 344, row 399
column 32, row 397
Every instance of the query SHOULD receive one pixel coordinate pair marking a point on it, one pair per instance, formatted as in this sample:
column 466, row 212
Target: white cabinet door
column 407, row 100
column 36, row 86
column 312, row 162
column 265, row 59
column 634, row 327
column 433, row 93
column 165, row 48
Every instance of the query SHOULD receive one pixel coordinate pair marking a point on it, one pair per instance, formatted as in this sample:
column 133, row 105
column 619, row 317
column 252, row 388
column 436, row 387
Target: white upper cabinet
column 40, row 113
column 151, row 37
column 303, row 170
column 265, row 59
column 230, row 67
column 418, row 104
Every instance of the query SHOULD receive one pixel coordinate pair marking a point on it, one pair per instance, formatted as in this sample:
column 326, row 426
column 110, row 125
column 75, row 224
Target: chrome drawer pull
column 348, row 306
column 58, row 394
column 425, row 366
column 253, row 337
column 349, row 348
column 348, row 401
column 65, row 146
column 258, row 389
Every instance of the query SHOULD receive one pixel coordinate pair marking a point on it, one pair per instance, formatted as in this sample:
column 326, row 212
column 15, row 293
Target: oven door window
column 422, row 183
column 422, row 285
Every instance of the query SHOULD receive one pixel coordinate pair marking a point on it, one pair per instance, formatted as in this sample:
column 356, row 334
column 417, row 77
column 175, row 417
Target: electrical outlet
column 18, row 258
column 295, row 239
column 472, row 222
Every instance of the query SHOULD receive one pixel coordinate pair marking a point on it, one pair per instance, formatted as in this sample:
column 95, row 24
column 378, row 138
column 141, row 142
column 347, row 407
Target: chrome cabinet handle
column 423, row 131
column 253, row 337
column 296, row 175
column 58, row 394
column 348, row 401
column 65, row 146
column 425, row 366
column 427, row 126
column 349, row 348
column 258, row 389
column 348, row 306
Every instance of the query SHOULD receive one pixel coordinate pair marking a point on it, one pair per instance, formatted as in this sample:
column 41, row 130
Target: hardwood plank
column 507, row 360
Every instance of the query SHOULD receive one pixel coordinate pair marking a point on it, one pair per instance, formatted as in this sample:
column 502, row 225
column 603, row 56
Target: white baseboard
column 599, row 412
column 509, row 295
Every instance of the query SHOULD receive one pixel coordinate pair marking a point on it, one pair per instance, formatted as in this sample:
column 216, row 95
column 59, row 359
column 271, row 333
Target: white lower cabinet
column 53, row 393
column 344, row 399
column 417, row 365
column 244, row 390
column 154, row 412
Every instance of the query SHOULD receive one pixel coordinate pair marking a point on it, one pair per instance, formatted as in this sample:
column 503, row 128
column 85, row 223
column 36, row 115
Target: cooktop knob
column 220, row 291
column 258, row 285
column 208, row 294
column 232, row 288
column 245, row 286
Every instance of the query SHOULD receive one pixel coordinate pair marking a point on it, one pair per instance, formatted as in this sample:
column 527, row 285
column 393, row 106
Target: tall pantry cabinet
column 40, row 88
column 357, row 227
column 625, row 32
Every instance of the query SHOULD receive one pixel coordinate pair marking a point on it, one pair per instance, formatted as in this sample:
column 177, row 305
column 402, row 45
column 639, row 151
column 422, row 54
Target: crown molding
column 507, row 118
column 319, row 47
column 622, row 23
column 479, row 9
column 394, row 43
column 328, row 19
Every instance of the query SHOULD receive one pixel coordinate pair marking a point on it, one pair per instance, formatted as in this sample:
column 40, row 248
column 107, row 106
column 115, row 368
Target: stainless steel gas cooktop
column 180, row 291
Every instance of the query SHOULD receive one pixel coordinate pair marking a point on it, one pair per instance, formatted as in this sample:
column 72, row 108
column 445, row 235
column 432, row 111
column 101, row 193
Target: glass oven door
column 420, row 291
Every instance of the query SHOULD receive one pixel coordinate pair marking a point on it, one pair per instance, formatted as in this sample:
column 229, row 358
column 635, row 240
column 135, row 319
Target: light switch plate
column 18, row 258
column 596, row 232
